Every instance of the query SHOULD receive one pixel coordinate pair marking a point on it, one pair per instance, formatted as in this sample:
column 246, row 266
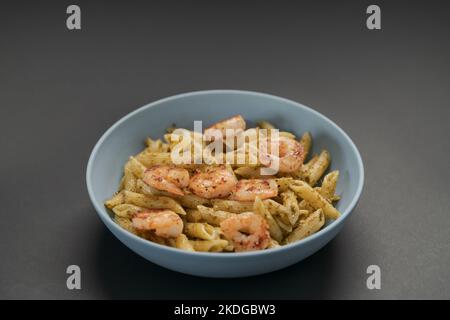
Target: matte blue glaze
column 126, row 137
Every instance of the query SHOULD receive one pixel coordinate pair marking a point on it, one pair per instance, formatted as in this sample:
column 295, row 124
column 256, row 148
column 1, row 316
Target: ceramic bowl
column 126, row 138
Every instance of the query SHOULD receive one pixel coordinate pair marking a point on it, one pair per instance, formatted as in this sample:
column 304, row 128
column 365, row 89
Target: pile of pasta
column 303, row 204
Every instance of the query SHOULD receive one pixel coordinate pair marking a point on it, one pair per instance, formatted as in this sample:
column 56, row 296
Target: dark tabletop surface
column 388, row 89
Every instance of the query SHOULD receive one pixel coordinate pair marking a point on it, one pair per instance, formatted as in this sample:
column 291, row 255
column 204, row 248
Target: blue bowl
column 126, row 137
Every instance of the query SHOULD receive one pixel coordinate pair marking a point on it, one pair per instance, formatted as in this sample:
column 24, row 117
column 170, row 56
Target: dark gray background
column 60, row 90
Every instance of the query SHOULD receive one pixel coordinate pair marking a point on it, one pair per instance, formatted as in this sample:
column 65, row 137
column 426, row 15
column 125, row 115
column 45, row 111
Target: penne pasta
column 285, row 227
column 291, row 203
column 217, row 245
column 306, row 227
column 287, row 135
column 129, row 181
column 182, row 242
column 135, row 166
column 328, row 188
column 306, row 142
column 251, row 173
column 266, row 125
column 274, row 228
column 125, row 223
column 114, row 201
column 150, row 159
column 156, row 145
column 306, row 167
column 126, row 210
column 284, row 183
column 278, row 210
column 212, row 216
column 313, row 198
column 142, row 187
column 202, row 231
column 318, row 168
column 193, row 215
column 305, row 206
column 154, row 238
column 151, row 202
column 192, row 201
column 273, row 244
column 232, row 205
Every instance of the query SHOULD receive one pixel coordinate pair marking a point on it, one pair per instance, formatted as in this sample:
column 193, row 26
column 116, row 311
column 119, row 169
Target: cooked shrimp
column 213, row 182
column 290, row 155
column 248, row 190
column 236, row 123
column 167, row 178
column 247, row 231
column 165, row 223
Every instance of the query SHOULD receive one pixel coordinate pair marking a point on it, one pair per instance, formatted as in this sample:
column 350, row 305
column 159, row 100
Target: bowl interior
column 127, row 136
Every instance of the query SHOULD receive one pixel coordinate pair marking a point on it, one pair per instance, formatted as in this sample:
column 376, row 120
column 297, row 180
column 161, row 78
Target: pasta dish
column 228, row 188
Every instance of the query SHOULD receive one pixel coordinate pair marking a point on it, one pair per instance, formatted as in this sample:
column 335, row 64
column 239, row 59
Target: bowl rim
column 106, row 218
